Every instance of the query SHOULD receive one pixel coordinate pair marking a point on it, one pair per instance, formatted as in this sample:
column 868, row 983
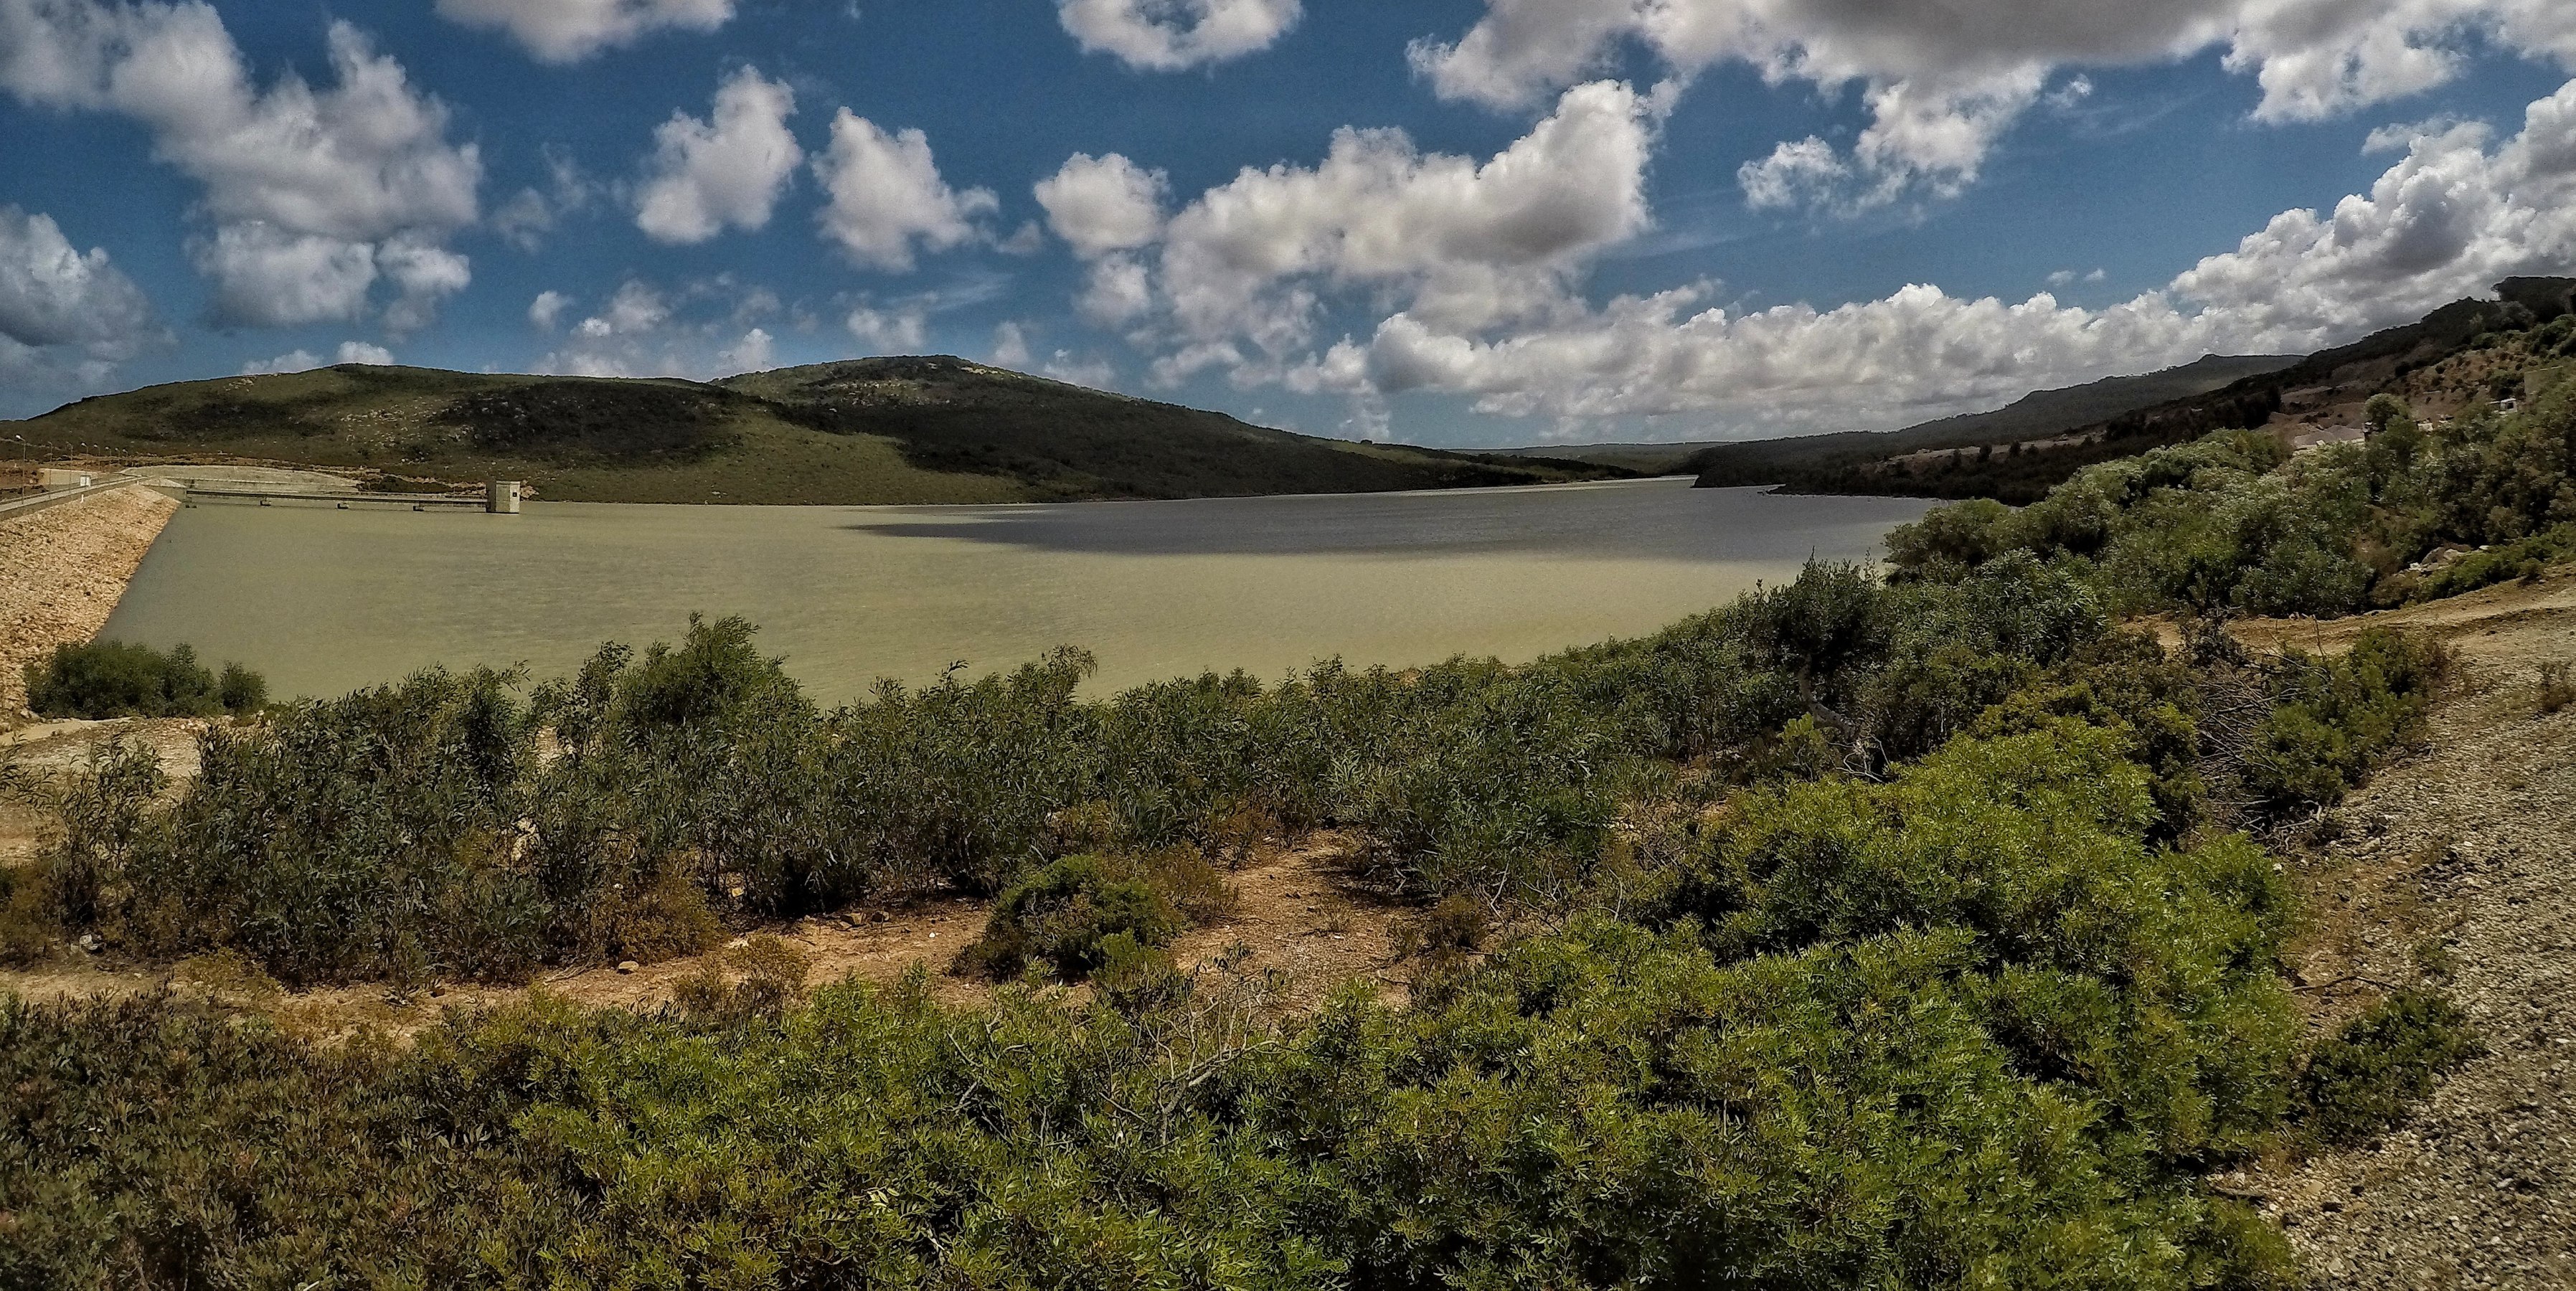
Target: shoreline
column 68, row 568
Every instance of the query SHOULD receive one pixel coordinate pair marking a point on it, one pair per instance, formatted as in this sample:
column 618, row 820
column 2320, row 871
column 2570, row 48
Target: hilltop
column 889, row 430
column 2043, row 412
column 2017, row 454
column 1837, row 463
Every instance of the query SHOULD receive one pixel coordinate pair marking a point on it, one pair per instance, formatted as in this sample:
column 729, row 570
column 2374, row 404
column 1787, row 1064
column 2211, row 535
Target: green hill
column 898, row 430
column 2017, row 454
column 1836, row 462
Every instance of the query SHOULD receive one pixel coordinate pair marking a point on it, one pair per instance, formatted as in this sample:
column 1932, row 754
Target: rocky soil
column 2456, row 869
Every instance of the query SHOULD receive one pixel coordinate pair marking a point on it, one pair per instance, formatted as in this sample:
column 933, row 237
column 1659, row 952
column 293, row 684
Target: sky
column 1454, row 222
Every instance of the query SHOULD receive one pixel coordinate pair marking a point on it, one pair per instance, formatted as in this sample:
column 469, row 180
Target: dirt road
column 2455, row 869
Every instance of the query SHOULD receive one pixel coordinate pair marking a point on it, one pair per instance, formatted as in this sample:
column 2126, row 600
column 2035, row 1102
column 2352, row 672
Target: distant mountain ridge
column 2028, row 448
column 2042, row 412
column 884, row 430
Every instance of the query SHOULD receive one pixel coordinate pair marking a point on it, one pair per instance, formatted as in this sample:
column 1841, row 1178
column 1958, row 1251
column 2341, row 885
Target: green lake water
column 324, row 600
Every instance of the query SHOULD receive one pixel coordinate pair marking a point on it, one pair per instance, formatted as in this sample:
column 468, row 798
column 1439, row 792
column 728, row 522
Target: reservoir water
column 324, row 600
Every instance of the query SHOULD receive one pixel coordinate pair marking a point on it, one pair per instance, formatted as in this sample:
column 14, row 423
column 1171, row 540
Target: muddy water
column 323, row 600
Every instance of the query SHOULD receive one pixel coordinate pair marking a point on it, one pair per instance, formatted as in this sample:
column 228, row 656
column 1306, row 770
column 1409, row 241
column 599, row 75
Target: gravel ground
column 62, row 571
column 2465, row 856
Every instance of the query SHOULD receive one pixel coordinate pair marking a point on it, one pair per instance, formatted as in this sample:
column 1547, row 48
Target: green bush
column 106, row 679
column 2372, row 1074
column 2234, row 523
column 1067, row 916
column 367, row 836
column 2337, row 717
column 2502, row 563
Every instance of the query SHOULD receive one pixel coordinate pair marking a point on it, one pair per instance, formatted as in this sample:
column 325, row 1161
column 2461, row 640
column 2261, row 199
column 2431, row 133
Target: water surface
column 324, row 600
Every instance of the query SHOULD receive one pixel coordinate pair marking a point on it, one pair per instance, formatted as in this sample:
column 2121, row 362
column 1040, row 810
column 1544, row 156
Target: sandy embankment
column 62, row 570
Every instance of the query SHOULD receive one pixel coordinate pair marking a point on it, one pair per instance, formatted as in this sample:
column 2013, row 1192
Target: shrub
column 759, row 978
column 1446, row 934
column 1065, row 917
column 2557, row 686
column 106, row 679
column 2336, row 718
column 2372, row 1074
column 372, row 836
column 2233, row 521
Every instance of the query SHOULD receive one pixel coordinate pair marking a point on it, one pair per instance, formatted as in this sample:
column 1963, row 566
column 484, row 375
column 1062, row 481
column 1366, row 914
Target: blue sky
column 1472, row 222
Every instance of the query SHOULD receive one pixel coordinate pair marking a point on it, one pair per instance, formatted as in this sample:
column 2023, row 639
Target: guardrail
column 28, row 506
column 414, row 500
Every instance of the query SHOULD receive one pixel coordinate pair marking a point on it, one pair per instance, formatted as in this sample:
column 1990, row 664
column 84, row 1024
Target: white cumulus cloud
column 1171, row 35
column 313, row 194
column 565, row 31
column 2458, row 212
column 708, row 175
column 700, row 330
column 887, row 198
column 67, row 317
column 1471, row 243
column 306, row 361
column 755, row 352
column 891, row 330
column 54, row 294
column 1010, row 345
column 1943, row 82
column 1104, row 204
column 546, row 309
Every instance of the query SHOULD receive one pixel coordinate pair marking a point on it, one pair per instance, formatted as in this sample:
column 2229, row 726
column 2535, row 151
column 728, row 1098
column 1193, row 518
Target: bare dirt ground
column 1296, row 916
column 62, row 571
column 2455, row 869
column 49, row 749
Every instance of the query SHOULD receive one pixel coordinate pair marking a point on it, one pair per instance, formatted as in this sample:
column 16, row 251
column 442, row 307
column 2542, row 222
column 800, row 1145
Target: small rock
column 629, row 966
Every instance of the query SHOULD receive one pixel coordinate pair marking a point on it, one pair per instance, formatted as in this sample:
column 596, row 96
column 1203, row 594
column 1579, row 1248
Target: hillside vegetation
column 2237, row 522
column 1915, row 931
column 917, row 430
column 2018, row 454
column 1867, row 934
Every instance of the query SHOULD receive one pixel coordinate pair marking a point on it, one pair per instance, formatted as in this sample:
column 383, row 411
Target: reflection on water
column 324, row 600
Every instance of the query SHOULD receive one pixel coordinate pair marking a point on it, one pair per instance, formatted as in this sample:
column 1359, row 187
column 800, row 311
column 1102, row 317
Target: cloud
column 755, row 352
column 2457, row 213
column 700, row 330
column 889, row 331
column 707, row 176
column 52, row 294
column 67, row 318
column 304, row 360
column 636, row 308
column 1470, row 243
column 887, row 196
column 566, row 31
column 546, row 309
column 1010, row 345
column 1944, row 82
column 1104, row 204
column 1173, row 35
column 1117, row 290
column 1097, row 374
column 532, row 213
column 313, row 194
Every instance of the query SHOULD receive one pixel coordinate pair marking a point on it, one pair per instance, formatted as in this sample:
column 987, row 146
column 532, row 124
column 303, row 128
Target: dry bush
column 2557, row 686
column 758, row 978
